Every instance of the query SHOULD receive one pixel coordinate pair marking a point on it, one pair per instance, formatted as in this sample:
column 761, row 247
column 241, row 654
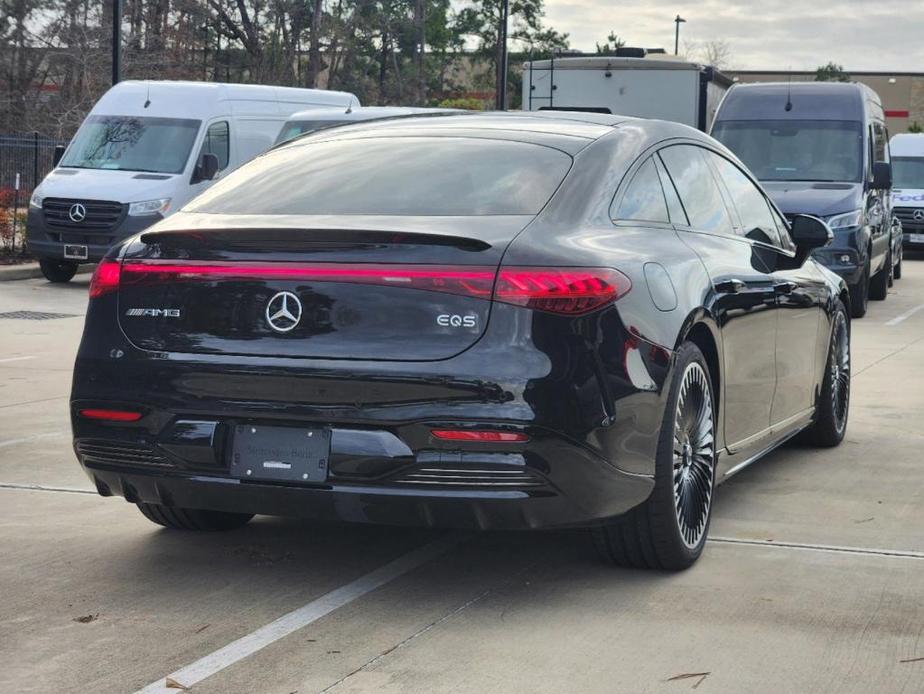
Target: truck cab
column 822, row 148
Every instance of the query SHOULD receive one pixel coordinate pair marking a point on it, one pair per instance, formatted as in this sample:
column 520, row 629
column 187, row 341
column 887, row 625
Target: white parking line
column 905, row 315
column 43, row 488
column 303, row 616
column 3, row 361
column 34, row 437
column 833, row 549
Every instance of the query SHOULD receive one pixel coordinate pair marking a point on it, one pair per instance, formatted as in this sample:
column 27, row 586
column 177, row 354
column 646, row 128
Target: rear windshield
column 907, row 172
column 393, row 176
column 796, row 150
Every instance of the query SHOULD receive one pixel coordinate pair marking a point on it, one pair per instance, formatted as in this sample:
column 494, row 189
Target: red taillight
column 565, row 290
column 479, row 435
column 105, row 278
column 111, row 415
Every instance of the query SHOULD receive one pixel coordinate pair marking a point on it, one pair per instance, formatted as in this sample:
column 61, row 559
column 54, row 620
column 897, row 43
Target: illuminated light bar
column 479, row 435
column 569, row 291
column 472, row 281
column 111, row 415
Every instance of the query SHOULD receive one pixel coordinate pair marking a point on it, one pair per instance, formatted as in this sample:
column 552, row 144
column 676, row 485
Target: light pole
column 116, row 40
column 502, row 67
column 678, row 20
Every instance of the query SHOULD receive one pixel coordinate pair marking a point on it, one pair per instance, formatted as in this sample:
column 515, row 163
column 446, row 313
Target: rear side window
column 644, row 199
column 392, row 176
column 218, row 142
column 697, row 189
column 757, row 222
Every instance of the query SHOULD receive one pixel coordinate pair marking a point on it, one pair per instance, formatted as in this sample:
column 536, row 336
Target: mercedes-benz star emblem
column 77, row 213
column 918, row 215
column 283, row 312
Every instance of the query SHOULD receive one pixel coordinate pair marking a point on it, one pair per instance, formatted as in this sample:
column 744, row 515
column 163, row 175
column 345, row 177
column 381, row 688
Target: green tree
column 915, row 128
column 481, row 20
column 613, row 43
column 832, row 72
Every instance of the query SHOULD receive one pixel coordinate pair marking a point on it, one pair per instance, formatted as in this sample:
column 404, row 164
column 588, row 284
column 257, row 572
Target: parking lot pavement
column 812, row 581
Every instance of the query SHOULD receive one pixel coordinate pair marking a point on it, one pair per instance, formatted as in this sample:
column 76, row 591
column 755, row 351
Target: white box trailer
column 673, row 90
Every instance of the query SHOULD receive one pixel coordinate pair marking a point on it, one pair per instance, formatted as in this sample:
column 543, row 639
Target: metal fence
column 31, row 156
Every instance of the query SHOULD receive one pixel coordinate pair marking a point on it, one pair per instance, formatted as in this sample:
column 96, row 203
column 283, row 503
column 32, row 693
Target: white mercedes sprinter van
column 144, row 150
column 308, row 121
column 908, row 186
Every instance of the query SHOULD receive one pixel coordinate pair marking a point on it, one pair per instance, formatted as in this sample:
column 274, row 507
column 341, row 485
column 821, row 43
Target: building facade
column 902, row 93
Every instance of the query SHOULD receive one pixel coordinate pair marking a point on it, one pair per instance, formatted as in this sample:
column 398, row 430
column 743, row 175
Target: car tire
column 668, row 531
column 57, row 271
column 879, row 285
column 193, row 519
column 833, row 405
column 897, row 272
column 859, row 295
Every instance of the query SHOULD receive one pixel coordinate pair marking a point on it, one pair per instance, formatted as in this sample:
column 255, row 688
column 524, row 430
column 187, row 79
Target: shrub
column 466, row 103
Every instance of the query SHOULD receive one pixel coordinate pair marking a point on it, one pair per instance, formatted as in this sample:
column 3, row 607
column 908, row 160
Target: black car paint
column 866, row 243
column 590, row 390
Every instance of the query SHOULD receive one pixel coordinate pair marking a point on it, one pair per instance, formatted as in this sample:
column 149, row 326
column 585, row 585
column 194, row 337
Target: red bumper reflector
column 105, row 278
column 111, row 415
column 479, row 435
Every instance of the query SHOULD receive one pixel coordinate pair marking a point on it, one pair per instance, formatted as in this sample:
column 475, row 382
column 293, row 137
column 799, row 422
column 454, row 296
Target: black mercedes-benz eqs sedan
column 484, row 321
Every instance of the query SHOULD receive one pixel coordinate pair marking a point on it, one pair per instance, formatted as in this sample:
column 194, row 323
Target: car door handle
column 785, row 287
column 732, row 286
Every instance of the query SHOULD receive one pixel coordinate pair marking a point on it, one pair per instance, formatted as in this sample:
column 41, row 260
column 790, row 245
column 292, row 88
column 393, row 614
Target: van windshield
column 796, row 150
column 132, row 143
column 294, row 128
column 908, row 172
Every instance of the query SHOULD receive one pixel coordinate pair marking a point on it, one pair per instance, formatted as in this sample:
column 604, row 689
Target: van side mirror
column 206, row 168
column 58, row 155
column 809, row 233
column 882, row 175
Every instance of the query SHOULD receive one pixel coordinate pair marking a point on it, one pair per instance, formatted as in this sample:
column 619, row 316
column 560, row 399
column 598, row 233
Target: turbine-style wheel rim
column 694, row 454
column 840, row 371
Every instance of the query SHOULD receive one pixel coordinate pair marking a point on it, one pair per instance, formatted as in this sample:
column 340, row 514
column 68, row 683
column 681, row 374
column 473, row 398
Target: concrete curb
column 32, row 270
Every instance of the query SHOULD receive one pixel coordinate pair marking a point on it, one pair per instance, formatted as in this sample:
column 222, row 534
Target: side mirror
column 809, row 233
column 882, row 175
column 58, row 154
column 207, row 167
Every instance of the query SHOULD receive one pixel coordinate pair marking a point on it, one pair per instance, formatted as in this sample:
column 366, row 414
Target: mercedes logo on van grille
column 77, row 213
column 918, row 215
column 283, row 312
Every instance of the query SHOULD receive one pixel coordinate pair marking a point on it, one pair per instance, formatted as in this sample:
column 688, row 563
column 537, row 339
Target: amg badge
column 154, row 312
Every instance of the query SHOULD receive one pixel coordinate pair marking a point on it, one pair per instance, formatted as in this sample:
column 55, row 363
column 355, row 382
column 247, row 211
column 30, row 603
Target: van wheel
column 879, row 286
column 833, row 403
column 57, row 271
column 668, row 531
column 859, row 294
column 193, row 519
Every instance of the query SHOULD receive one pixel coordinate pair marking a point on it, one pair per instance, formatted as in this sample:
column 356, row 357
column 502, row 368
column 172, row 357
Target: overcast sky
column 775, row 34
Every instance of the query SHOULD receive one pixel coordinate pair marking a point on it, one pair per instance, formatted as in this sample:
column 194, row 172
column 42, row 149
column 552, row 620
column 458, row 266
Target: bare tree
column 717, row 53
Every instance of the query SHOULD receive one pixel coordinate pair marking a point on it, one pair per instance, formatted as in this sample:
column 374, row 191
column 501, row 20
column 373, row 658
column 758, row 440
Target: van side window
column 757, row 221
column 880, row 143
column 698, row 189
column 218, row 142
column 643, row 200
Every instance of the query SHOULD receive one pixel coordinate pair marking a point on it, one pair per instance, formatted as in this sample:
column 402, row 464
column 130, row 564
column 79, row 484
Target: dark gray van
column 821, row 148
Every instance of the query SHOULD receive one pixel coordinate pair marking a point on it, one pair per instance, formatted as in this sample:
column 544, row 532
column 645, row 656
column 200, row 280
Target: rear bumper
column 590, row 489
column 592, row 419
